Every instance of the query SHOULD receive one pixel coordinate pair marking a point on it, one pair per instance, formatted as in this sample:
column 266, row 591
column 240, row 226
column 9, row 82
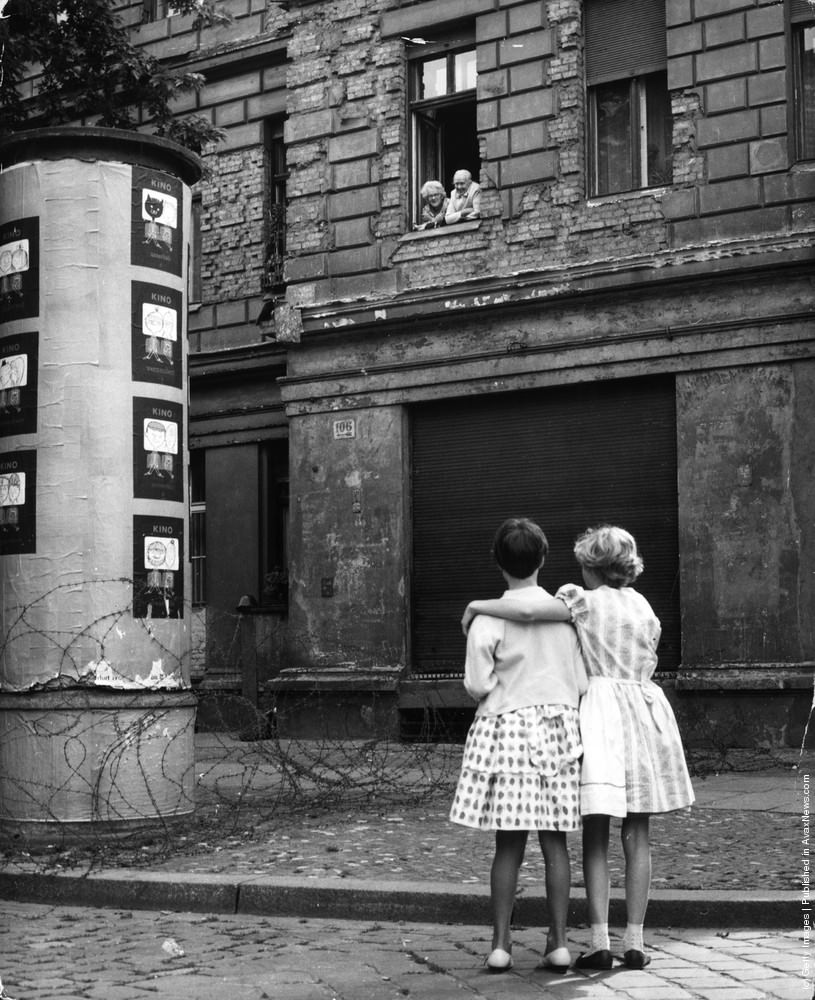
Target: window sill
column 277, row 608
column 651, row 192
column 434, row 234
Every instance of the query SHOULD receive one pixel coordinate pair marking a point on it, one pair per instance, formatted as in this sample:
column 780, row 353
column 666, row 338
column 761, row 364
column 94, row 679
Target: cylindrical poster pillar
column 96, row 712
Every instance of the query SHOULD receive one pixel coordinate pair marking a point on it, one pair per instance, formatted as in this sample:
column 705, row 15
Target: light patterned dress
column 633, row 760
column 521, row 764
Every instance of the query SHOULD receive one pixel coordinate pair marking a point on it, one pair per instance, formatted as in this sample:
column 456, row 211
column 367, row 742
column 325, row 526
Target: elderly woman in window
column 434, row 205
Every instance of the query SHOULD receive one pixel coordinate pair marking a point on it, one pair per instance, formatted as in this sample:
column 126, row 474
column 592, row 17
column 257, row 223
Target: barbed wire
column 136, row 769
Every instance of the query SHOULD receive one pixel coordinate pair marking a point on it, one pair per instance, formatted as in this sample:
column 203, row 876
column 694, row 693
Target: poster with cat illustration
column 156, row 231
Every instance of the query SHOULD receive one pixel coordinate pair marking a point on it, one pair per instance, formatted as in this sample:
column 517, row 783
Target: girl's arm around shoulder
column 530, row 608
column 581, row 673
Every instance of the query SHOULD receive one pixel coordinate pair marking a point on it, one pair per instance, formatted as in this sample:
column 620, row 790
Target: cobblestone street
column 64, row 953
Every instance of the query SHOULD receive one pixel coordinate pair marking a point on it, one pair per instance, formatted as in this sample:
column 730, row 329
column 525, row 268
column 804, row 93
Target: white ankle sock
column 633, row 938
column 599, row 937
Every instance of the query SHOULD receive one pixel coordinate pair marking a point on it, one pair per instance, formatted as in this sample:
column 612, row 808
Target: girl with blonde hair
column 633, row 759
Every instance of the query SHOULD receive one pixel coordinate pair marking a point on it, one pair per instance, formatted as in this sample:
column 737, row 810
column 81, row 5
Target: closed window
column 629, row 109
column 195, row 284
column 154, row 10
column 802, row 34
column 442, row 112
column 276, row 177
column 198, row 526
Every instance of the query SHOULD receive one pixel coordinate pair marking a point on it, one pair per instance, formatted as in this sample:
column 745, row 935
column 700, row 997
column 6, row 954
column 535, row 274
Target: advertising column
column 96, row 712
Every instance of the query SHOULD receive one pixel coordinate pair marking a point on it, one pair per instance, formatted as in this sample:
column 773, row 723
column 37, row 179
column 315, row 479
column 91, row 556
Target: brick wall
column 729, row 65
column 732, row 178
column 344, row 90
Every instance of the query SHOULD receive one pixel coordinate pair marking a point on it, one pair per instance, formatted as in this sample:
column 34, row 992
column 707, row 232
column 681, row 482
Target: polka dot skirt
column 521, row 771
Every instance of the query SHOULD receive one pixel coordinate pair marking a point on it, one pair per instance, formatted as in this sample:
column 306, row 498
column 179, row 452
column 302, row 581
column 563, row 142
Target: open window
column 629, row 109
column 442, row 112
column 802, row 37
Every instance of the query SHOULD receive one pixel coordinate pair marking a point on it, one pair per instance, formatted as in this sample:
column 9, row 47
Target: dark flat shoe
column 635, row 959
column 595, row 960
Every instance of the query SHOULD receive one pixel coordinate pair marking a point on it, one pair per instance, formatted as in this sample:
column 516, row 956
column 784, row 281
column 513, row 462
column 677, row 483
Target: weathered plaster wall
column 746, row 513
column 347, row 572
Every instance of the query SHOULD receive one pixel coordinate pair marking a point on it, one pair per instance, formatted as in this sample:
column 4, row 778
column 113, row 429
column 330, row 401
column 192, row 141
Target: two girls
column 633, row 760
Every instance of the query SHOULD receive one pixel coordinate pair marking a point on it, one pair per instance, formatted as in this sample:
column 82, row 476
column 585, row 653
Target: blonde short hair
column 431, row 187
column 611, row 553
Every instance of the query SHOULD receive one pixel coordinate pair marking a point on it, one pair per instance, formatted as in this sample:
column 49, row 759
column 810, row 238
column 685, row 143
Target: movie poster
column 158, row 433
column 156, row 235
column 19, row 269
column 18, row 384
column 156, row 334
column 158, row 567
column 18, row 494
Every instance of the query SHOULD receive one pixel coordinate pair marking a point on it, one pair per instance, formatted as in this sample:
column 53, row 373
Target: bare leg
column 637, row 851
column 558, row 885
column 595, row 866
column 510, row 846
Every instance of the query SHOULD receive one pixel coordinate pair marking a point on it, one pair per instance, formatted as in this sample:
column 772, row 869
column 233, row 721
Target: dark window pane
column 658, row 131
column 614, row 137
column 198, row 476
column 805, row 51
column 196, row 286
column 277, row 176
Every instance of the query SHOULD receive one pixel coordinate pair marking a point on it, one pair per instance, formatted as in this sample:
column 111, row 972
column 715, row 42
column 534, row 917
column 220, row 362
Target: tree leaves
column 74, row 61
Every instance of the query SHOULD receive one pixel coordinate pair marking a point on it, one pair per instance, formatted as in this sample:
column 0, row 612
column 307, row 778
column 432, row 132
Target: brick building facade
column 626, row 333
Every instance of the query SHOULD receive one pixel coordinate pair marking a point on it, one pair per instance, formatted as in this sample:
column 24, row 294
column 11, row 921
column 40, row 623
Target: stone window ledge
column 747, row 677
column 443, row 231
column 342, row 677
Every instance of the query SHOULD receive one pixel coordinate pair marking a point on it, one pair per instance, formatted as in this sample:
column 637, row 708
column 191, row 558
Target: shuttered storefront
column 569, row 457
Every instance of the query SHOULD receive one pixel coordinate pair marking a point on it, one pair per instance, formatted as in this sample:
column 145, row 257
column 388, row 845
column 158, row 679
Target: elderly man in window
column 465, row 199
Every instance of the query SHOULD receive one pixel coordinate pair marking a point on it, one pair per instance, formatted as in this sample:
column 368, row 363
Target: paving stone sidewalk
column 58, row 953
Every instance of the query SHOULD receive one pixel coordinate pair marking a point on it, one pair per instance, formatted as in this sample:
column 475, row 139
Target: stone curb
column 428, row 902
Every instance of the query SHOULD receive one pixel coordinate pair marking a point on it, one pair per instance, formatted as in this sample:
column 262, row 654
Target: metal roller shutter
column 624, row 38
column 568, row 457
column 801, row 10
